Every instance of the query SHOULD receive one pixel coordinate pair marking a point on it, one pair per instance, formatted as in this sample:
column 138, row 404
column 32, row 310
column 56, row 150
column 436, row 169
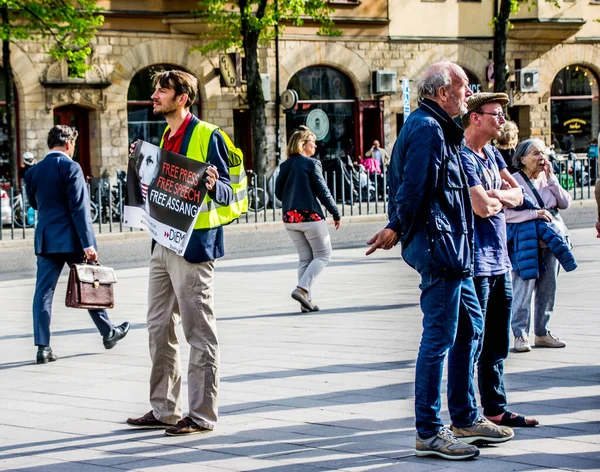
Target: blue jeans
column 452, row 323
column 495, row 297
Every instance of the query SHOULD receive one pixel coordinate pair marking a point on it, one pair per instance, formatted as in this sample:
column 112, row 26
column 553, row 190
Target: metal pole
column 277, row 100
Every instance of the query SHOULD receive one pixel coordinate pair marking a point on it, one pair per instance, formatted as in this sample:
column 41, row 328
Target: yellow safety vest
column 195, row 146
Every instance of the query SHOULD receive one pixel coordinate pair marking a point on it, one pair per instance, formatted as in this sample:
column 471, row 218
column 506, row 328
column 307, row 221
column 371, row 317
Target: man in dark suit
column 64, row 234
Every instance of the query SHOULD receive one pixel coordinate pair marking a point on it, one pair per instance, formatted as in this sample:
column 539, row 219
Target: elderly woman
column 535, row 266
column 302, row 189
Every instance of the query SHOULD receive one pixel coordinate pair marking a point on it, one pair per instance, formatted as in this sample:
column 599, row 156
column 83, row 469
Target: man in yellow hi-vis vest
column 183, row 286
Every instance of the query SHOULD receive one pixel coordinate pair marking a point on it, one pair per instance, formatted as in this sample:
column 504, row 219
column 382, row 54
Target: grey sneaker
column 483, row 432
column 522, row 344
column 549, row 341
column 445, row 445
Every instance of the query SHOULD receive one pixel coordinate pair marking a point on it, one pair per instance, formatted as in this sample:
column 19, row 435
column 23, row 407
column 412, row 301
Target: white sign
column 406, row 96
column 318, row 122
column 289, row 99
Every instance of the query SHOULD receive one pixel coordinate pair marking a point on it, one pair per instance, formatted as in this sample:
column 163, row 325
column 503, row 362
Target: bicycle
column 112, row 199
column 21, row 218
column 257, row 197
column 93, row 211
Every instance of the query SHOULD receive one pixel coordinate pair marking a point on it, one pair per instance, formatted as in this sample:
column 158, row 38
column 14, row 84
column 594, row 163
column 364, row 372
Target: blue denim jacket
column 430, row 205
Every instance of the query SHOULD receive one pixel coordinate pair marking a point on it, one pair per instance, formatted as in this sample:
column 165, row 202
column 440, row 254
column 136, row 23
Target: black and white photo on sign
column 165, row 192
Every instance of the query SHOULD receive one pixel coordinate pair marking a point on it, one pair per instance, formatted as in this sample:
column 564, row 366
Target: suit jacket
column 57, row 190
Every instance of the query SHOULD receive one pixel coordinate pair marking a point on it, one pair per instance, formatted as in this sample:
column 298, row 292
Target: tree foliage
column 502, row 25
column 68, row 25
column 64, row 27
column 228, row 19
column 247, row 24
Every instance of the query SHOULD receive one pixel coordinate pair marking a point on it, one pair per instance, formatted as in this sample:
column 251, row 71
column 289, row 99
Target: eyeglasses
column 498, row 116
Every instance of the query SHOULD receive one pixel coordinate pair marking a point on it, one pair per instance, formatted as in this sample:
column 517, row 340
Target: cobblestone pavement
column 331, row 390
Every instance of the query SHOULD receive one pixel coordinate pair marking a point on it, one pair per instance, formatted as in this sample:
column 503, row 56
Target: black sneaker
column 445, row 445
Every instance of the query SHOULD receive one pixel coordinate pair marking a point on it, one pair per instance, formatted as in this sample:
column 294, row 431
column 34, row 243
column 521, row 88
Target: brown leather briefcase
column 90, row 286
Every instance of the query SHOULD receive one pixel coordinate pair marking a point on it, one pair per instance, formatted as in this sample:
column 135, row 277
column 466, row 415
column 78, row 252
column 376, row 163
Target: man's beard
column 462, row 106
column 167, row 109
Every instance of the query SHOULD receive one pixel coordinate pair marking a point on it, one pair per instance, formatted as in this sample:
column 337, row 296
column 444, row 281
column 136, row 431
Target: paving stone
column 332, row 390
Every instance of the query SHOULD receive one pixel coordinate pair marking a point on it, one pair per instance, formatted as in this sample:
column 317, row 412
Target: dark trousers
column 495, row 296
column 49, row 267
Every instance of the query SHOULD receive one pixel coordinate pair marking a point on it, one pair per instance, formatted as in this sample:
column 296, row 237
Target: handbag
column 557, row 220
column 90, row 286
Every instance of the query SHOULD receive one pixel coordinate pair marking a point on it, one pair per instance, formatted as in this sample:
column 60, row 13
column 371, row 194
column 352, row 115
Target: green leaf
column 68, row 27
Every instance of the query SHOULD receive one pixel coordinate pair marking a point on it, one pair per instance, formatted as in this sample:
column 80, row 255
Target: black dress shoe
column 116, row 335
column 45, row 355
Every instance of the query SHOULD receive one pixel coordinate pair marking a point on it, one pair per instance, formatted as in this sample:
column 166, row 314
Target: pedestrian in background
column 507, row 142
column 597, row 195
column 302, row 189
column 537, row 291
column 63, row 235
column 492, row 188
column 379, row 154
column 430, row 213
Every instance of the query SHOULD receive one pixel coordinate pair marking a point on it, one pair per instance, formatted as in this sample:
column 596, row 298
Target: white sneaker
column 549, row 341
column 522, row 344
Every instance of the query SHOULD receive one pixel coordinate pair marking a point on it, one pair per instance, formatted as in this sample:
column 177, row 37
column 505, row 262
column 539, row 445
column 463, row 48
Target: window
column 326, row 100
column 4, row 147
column 574, row 108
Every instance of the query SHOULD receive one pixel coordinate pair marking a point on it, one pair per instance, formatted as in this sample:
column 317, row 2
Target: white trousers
column 313, row 244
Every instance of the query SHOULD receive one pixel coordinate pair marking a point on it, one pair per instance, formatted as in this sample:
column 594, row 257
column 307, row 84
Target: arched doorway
column 4, row 146
column 142, row 122
column 327, row 105
column 574, row 109
column 78, row 118
column 474, row 83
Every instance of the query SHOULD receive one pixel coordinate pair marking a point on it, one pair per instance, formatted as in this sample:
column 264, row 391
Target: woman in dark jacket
column 302, row 189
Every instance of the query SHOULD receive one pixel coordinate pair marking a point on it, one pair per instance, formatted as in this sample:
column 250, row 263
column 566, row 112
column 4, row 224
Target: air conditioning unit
column 527, row 80
column 384, row 81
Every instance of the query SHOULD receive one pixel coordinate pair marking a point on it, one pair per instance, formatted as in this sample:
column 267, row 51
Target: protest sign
column 164, row 194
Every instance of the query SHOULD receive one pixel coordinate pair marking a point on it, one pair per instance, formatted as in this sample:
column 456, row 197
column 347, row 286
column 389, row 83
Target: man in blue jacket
column 430, row 213
column 63, row 235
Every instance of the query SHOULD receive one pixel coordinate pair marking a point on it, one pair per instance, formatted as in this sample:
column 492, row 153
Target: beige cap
column 478, row 99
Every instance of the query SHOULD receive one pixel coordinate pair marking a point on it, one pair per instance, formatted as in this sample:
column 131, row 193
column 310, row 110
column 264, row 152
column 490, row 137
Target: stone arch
column 327, row 54
column 27, row 76
column 34, row 121
column 163, row 51
column 558, row 58
column 463, row 55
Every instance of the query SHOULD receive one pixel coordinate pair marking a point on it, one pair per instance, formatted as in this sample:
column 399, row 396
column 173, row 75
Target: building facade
column 349, row 89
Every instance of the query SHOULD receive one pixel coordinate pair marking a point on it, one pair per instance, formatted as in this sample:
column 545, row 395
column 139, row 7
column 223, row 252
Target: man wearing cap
column 492, row 188
column 430, row 213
